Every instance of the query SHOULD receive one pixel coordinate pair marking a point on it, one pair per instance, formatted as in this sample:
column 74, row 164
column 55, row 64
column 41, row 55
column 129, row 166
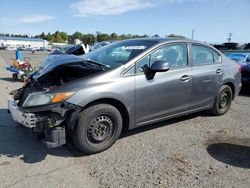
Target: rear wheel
column 223, row 100
column 97, row 129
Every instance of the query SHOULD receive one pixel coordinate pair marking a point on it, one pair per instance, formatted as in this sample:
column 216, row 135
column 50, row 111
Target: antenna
column 192, row 34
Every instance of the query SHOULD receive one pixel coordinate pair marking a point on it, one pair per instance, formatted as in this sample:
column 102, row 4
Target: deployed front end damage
column 48, row 122
column 41, row 104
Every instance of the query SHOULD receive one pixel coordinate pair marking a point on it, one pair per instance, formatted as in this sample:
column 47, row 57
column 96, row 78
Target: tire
column 15, row 76
column 223, row 100
column 97, row 128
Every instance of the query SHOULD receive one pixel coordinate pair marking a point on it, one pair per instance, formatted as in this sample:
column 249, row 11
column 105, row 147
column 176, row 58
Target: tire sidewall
column 216, row 110
column 84, row 120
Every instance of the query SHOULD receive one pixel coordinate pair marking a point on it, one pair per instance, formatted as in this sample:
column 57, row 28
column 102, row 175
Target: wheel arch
column 232, row 86
column 114, row 102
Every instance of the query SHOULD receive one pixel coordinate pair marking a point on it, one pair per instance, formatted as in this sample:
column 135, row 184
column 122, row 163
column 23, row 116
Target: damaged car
column 92, row 98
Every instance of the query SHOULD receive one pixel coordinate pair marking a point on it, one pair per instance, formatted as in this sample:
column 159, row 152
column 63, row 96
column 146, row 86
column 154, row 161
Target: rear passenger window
column 202, row 55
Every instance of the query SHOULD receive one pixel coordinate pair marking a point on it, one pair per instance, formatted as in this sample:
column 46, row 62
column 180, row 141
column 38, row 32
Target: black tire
column 223, row 100
column 15, row 76
column 97, row 128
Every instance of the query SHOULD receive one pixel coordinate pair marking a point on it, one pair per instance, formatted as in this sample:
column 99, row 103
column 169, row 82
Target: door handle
column 219, row 71
column 186, row 78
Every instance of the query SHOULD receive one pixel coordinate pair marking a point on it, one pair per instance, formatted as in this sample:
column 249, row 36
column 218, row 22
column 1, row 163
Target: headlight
column 36, row 99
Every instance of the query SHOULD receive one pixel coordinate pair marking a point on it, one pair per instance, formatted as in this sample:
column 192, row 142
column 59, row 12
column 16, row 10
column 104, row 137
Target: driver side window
column 175, row 55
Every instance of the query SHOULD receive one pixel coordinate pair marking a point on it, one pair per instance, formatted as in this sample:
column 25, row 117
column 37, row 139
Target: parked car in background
column 2, row 46
column 243, row 59
column 124, row 85
column 99, row 45
column 10, row 48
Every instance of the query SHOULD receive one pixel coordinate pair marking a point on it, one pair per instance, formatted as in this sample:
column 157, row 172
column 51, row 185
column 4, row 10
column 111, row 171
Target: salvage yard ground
column 198, row 150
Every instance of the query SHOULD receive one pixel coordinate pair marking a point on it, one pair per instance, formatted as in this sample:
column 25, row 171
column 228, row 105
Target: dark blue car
column 243, row 59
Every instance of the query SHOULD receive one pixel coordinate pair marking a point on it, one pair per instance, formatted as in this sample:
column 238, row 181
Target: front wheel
column 97, row 128
column 223, row 100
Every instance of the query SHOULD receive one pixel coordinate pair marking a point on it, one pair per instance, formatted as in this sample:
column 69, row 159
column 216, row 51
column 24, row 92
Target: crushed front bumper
column 26, row 119
column 54, row 136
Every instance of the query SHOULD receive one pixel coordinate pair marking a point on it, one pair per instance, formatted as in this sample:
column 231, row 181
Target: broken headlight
column 40, row 98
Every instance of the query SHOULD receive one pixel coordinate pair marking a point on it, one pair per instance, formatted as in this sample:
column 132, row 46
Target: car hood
column 54, row 61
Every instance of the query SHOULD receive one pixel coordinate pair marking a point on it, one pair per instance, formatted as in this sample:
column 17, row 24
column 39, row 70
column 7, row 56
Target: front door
column 168, row 93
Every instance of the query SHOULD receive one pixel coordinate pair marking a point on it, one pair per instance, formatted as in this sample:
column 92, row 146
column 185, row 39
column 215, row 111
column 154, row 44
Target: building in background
column 23, row 43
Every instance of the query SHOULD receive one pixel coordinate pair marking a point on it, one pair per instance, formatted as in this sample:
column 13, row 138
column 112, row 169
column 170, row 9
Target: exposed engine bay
column 58, row 76
column 49, row 120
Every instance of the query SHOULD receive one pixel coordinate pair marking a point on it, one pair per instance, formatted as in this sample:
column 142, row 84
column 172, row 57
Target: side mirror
column 159, row 66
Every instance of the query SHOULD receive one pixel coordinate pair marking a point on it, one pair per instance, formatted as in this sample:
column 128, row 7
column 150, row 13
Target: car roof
column 166, row 39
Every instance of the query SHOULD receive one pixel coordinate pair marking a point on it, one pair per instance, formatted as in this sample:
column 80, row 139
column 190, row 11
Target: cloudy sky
column 212, row 20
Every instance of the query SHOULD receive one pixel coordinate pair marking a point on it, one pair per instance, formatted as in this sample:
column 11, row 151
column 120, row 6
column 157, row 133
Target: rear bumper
column 26, row 119
column 237, row 89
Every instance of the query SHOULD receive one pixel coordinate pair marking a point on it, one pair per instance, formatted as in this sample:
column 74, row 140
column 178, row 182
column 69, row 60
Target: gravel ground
column 198, row 150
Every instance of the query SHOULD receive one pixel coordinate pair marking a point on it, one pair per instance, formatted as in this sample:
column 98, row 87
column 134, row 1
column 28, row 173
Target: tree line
column 60, row 37
column 85, row 38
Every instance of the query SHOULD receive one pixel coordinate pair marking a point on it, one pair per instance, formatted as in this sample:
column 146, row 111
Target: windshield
column 119, row 53
column 238, row 57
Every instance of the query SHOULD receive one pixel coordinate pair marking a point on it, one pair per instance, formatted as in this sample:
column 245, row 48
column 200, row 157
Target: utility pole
column 230, row 37
column 192, row 34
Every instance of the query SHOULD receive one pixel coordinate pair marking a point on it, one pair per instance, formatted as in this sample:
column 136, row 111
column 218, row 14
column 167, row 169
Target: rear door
column 207, row 76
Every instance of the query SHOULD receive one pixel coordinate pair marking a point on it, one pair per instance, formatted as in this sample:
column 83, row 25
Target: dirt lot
column 198, row 150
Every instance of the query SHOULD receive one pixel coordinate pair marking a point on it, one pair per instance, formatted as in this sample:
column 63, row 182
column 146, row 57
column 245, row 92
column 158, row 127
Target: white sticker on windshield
column 134, row 47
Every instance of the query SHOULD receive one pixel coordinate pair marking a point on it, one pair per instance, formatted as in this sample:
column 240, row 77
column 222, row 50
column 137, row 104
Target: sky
column 211, row 20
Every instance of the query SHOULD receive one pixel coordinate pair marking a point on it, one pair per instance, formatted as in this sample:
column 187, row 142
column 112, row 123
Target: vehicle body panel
column 164, row 95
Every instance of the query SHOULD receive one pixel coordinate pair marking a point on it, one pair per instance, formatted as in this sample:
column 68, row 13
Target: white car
column 10, row 48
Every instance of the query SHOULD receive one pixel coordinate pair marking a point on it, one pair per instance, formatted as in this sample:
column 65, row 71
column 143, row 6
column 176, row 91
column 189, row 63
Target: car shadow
column 233, row 151
column 19, row 142
column 9, row 79
column 245, row 91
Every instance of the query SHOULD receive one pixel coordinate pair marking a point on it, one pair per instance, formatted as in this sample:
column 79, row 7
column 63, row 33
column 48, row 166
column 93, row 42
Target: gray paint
column 165, row 96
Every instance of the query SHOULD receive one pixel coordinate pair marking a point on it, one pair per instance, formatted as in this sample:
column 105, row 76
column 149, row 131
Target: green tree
column 64, row 36
column 175, row 36
column 43, row 36
column 49, row 37
column 114, row 36
column 88, row 39
column 77, row 35
column 57, row 37
column 103, row 37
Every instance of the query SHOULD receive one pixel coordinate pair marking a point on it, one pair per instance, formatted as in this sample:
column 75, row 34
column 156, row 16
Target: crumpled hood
column 54, row 61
